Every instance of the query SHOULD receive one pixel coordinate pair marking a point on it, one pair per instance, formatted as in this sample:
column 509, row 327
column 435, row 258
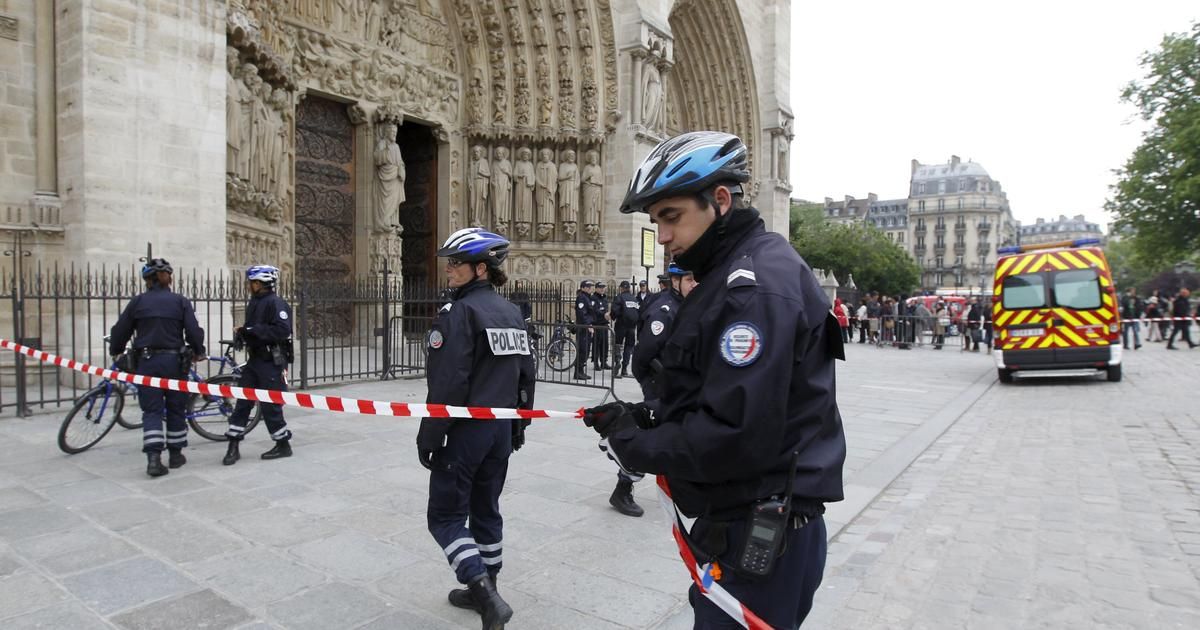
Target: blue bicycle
column 99, row 408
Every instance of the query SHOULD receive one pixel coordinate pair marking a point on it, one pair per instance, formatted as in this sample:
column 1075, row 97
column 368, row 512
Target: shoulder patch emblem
column 741, row 278
column 435, row 339
column 446, row 307
column 283, row 315
column 656, row 328
column 741, row 344
column 666, row 307
column 580, row 305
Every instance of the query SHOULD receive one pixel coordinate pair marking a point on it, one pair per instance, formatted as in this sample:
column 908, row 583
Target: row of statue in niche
column 536, row 201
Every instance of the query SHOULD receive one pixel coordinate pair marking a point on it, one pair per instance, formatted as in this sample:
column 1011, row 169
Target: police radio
column 766, row 527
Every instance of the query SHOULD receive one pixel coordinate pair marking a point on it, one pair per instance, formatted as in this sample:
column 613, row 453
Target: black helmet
column 155, row 265
column 475, row 245
column 687, row 164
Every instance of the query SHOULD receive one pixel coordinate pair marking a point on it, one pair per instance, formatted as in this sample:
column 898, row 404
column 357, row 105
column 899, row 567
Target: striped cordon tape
column 704, row 576
column 310, row 401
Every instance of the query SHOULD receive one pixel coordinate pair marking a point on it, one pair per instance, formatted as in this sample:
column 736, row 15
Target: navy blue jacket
column 625, row 310
column 653, row 329
column 268, row 322
column 162, row 320
column 583, row 309
column 599, row 309
column 748, row 380
column 478, row 356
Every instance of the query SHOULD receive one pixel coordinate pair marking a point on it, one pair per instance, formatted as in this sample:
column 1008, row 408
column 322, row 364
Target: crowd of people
column 1158, row 314
column 907, row 321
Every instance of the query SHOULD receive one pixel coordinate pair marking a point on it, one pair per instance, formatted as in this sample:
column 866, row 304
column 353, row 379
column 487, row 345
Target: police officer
column 267, row 335
column 600, row 330
column 625, row 311
column 643, row 293
column 748, row 434
column 583, row 327
column 163, row 321
column 478, row 356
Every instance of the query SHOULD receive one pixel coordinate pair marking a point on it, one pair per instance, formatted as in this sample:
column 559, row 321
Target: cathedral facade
column 334, row 137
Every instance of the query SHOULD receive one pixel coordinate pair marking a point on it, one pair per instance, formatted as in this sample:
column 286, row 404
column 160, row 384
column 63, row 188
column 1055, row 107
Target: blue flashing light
column 1011, row 249
column 1083, row 242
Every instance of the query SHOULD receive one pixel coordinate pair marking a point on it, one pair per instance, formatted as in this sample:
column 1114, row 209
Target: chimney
column 872, row 197
column 1041, row 221
column 849, row 200
column 828, row 201
column 915, row 165
column 954, row 162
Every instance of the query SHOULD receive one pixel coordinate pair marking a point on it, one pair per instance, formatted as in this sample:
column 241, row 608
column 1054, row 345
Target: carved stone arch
column 711, row 50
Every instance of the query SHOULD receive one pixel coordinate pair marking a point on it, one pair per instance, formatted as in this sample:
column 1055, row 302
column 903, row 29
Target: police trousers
column 260, row 374
column 583, row 343
column 464, row 487
column 162, row 404
column 783, row 598
column 626, row 339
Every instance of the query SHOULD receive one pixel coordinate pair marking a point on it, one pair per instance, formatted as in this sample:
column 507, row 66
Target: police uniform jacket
column 625, row 310
column 163, row 319
column 478, row 356
column 583, row 309
column 599, row 309
column 654, row 325
column 268, row 323
column 749, row 379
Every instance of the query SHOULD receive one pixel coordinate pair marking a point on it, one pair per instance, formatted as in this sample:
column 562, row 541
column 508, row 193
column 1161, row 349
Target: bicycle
column 101, row 407
column 561, row 350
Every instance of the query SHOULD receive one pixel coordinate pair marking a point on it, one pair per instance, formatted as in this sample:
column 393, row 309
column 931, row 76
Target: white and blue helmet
column 687, row 164
column 265, row 274
column 475, row 245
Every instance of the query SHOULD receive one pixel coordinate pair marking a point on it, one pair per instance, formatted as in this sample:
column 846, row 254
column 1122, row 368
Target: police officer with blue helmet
column 653, row 328
column 584, row 321
column 748, row 433
column 267, row 335
column 479, row 356
column 163, row 321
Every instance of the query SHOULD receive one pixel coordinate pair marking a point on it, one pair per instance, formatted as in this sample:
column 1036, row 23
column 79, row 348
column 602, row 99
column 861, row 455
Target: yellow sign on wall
column 648, row 240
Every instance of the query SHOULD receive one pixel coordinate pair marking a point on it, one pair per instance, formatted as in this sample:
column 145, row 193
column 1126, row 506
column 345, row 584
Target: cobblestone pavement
column 1050, row 504
column 335, row 537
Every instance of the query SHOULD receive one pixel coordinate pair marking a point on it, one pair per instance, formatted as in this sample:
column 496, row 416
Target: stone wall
column 142, row 129
column 17, row 80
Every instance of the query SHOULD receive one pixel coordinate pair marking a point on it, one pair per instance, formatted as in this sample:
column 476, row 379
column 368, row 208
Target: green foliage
column 877, row 263
column 1157, row 194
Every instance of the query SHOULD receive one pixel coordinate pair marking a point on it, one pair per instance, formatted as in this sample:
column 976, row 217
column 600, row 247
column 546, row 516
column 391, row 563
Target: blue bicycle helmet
column 265, row 274
column 475, row 245
column 687, row 164
column 675, row 270
column 155, row 265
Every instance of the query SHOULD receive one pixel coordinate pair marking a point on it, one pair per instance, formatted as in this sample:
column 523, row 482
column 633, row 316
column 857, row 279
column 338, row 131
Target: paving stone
column 204, row 609
column 17, row 498
column 353, row 556
column 177, row 483
column 335, row 605
column 595, row 595
column 33, row 521
column 216, row 503
column 184, row 540
column 115, row 587
column 84, row 492
column 67, row 615
column 25, row 591
column 242, row 576
column 278, row 526
column 8, row 565
column 122, row 514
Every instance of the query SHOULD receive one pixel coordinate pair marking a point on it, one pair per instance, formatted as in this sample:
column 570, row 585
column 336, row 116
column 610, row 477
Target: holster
column 185, row 361
column 278, row 356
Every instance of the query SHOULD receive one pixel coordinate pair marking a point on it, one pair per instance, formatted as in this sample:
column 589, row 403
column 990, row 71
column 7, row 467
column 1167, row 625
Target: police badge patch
column 435, row 339
column 656, row 328
column 741, row 344
column 282, row 314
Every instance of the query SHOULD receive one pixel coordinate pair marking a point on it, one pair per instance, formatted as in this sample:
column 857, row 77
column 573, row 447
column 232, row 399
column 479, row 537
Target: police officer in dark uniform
column 478, row 356
column 267, row 335
column 163, row 321
column 600, row 328
column 583, row 327
column 654, row 328
column 625, row 312
column 748, row 434
column 643, row 292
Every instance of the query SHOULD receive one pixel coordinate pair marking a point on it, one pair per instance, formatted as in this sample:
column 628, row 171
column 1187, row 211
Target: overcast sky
column 1030, row 90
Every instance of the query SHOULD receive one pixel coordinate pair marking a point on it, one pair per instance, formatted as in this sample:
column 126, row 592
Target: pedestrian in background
column 1181, row 313
column 941, row 321
column 1131, row 310
column 843, row 318
column 1153, row 311
column 863, row 324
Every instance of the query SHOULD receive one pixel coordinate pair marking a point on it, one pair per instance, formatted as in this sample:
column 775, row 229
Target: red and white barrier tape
column 1162, row 319
column 704, row 576
column 309, row 401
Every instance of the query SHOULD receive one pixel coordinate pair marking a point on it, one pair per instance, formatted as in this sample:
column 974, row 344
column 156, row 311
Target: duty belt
column 150, row 351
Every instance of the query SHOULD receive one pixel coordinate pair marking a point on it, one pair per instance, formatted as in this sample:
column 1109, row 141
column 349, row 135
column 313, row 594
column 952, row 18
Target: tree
column 877, row 263
column 1157, row 194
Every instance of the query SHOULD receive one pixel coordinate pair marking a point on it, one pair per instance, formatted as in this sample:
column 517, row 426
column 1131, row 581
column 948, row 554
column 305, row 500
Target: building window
column 939, row 278
column 920, row 188
column 941, row 204
column 900, row 237
column 938, row 264
column 921, row 206
column 958, row 260
column 960, row 203
column 941, row 186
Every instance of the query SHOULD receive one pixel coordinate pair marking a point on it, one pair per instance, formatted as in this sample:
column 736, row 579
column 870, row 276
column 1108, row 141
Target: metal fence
column 373, row 327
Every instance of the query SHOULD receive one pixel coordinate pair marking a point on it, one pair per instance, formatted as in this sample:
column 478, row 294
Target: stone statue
column 502, row 172
column 651, row 97
column 260, row 127
column 593, row 198
column 524, row 184
column 276, row 141
column 235, row 92
column 245, row 119
column 547, row 186
column 568, row 191
column 388, row 191
column 478, row 180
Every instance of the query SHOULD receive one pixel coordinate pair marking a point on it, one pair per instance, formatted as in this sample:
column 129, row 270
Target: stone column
column 635, row 105
column 45, row 203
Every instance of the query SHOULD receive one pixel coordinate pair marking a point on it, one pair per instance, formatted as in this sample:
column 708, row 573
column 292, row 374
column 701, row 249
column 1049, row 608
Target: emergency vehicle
column 1054, row 307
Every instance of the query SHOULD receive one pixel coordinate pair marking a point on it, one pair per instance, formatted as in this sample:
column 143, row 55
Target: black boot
column 622, row 499
column 231, row 453
column 494, row 610
column 580, row 376
column 176, row 458
column 462, row 598
column 154, row 465
column 281, row 449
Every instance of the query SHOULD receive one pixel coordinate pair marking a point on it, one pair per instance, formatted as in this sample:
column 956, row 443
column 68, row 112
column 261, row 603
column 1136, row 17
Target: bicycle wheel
column 89, row 420
column 560, row 354
column 121, row 390
column 209, row 415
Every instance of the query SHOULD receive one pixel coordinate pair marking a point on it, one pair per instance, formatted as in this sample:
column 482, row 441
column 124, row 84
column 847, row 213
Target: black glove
column 426, row 457
column 615, row 416
column 518, row 433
